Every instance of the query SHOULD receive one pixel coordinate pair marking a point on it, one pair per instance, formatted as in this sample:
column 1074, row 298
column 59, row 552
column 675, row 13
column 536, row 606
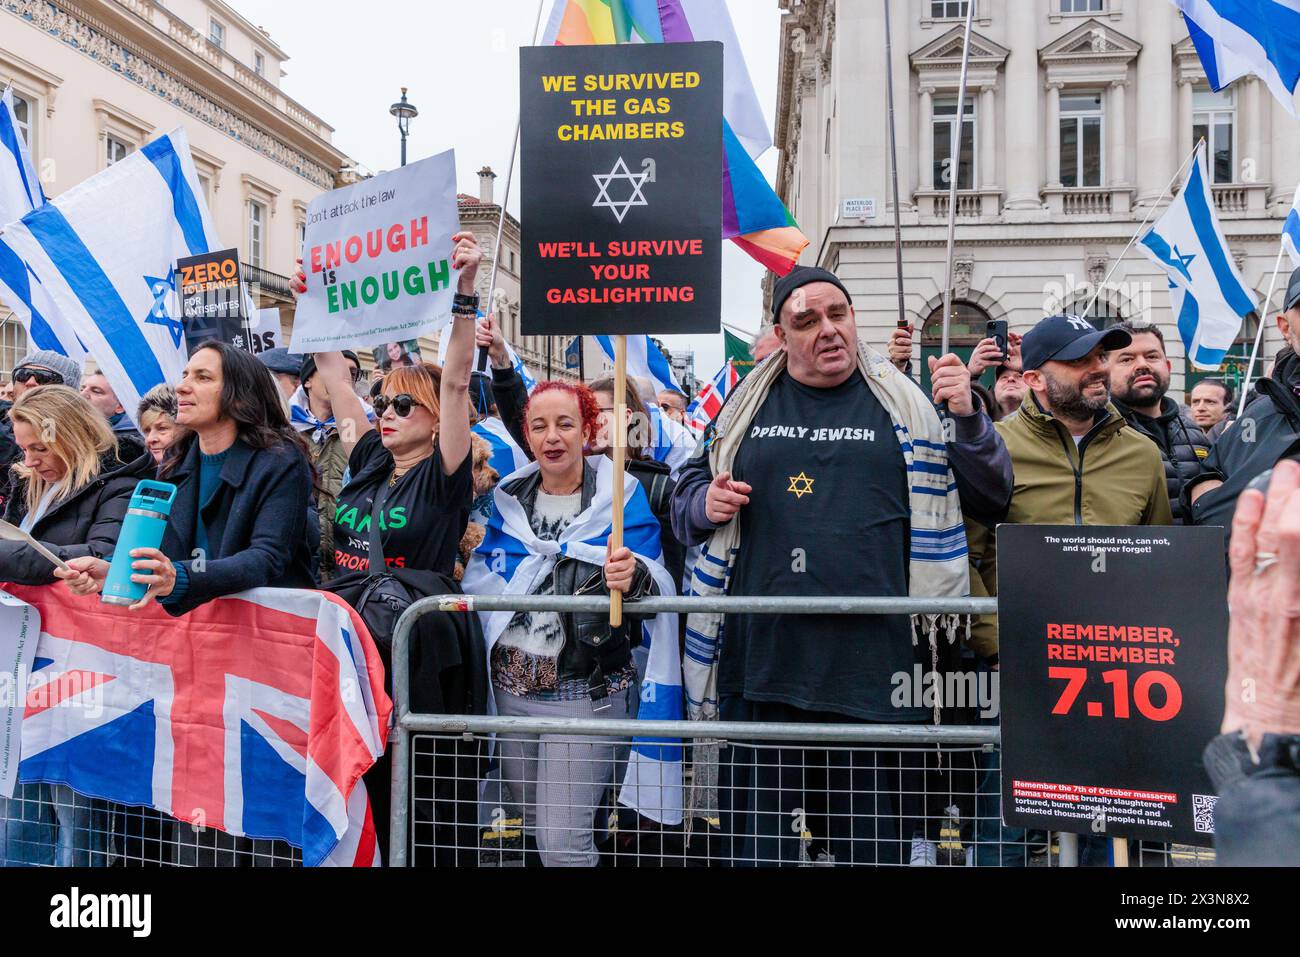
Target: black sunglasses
column 402, row 405
column 42, row 376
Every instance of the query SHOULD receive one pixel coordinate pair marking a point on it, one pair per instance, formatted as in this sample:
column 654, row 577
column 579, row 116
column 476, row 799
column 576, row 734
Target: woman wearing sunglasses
column 397, row 524
column 411, row 483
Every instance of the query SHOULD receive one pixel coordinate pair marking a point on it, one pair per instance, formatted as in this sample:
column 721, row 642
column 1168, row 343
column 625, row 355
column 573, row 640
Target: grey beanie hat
column 61, row 364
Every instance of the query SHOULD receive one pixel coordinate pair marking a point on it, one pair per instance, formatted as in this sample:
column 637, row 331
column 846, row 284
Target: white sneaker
column 924, row 853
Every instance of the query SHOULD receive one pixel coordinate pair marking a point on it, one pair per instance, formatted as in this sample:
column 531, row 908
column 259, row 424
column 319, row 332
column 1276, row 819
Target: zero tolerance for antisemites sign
column 377, row 259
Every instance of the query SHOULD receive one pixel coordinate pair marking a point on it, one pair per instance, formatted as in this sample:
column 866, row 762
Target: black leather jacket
column 592, row 650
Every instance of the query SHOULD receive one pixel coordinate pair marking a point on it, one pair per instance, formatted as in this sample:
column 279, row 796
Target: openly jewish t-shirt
column 423, row 517
column 829, row 516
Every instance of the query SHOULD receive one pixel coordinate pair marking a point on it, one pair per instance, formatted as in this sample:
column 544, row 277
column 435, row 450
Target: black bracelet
column 467, row 302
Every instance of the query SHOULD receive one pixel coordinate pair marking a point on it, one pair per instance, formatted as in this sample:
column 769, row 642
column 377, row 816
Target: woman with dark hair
column 244, row 481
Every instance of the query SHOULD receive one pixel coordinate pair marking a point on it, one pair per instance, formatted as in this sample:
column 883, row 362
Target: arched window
column 969, row 327
column 1103, row 313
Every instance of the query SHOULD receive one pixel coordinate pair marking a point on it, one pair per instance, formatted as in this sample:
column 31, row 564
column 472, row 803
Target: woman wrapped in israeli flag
column 550, row 535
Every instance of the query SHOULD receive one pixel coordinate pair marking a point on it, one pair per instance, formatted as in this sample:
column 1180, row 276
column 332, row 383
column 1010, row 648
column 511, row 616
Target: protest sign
column 377, row 257
column 264, row 331
column 1113, row 650
column 210, row 298
column 622, row 202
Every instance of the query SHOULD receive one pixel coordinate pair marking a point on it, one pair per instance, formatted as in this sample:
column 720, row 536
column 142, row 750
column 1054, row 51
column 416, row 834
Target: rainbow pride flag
column 753, row 216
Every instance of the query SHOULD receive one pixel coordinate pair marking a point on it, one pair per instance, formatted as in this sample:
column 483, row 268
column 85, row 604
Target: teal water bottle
column 143, row 527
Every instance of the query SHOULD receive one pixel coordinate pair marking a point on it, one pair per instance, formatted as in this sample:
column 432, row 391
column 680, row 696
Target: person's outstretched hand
column 1264, row 601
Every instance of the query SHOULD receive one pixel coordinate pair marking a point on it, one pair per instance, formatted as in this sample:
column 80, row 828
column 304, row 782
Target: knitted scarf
column 938, row 561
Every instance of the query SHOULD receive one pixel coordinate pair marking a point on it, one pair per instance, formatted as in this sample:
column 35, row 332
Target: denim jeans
column 51, row 825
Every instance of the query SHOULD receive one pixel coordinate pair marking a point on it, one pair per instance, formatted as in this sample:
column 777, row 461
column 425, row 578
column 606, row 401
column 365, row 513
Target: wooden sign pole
column 619, row 427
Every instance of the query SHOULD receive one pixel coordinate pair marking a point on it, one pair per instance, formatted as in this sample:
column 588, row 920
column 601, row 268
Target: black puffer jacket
column 1183, row 446
column 85, row 524
column 1268, row 432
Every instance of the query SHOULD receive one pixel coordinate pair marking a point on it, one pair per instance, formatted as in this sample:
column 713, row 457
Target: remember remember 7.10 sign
column 622, row 189
column 1113, row 647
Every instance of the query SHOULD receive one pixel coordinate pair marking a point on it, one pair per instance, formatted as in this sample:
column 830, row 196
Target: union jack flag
column 712, row 397
column 255, row 714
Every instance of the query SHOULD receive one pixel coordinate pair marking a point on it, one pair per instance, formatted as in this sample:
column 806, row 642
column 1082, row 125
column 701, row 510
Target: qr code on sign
column 1203, row 812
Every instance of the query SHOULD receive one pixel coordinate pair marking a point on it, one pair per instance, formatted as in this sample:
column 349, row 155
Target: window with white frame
column 116, row 150
column 259, row 63
column 1214, row 119
column 945, row 115
column 217, row 33
column 948, row 9
column 1081, row 139
column 301, row 234
column 1083, row 6
column 205, row 184
column 26, row 116
column 256, row 232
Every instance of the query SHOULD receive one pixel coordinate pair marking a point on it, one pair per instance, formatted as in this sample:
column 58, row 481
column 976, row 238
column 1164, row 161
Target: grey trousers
column 560, row 779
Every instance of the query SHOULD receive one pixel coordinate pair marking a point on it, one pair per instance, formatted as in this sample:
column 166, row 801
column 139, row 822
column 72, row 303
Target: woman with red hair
column 566, row 665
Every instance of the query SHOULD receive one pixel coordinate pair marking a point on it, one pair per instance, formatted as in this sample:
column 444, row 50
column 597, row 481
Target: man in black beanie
column 829, row 473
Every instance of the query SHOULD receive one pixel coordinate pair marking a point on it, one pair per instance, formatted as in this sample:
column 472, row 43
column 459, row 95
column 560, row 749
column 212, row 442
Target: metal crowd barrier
column 817, row 794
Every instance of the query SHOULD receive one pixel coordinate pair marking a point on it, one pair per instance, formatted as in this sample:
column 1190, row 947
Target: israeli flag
column 507, row 457
column 670, row 442
column 645, row 361
column 106, row 252
column 512, row 560
column 20, row 193
column 1207, row 293
column 1291, row 231
column 1236, row 37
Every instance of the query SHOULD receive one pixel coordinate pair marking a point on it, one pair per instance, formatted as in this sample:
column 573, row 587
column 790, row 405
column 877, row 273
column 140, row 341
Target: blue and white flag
column 20, row 187
column 20, row 193
column 512, row 560
column 106, row 252
column 1236, row 37
column 507, row 458
column 670, row 442
column 1291, row 232
column 644, row 360
column 1208, row 295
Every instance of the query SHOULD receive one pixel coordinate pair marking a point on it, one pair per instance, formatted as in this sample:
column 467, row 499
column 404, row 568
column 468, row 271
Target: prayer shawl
column 512, row 560
column 938, row 562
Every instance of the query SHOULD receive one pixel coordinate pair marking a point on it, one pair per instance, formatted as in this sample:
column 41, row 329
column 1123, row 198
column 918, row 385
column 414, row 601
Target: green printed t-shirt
column 422, row 521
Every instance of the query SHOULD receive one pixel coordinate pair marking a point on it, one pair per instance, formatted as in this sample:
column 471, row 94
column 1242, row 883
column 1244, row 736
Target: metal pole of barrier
column 883, row 734
column 400, row 800
column 1069, row 849
column 759, row 605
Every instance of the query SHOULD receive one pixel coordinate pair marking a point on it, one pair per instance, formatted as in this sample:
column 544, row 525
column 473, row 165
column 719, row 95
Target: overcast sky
column 349, row 61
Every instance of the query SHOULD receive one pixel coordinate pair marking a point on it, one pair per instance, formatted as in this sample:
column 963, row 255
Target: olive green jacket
column 1115, row 476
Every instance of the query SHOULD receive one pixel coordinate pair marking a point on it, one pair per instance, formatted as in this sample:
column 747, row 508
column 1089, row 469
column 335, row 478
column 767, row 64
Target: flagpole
column 954, row 171
column 619, row 429
column 1259, row 333
column 1155, row 204
column 893, row 162
column 501, row 220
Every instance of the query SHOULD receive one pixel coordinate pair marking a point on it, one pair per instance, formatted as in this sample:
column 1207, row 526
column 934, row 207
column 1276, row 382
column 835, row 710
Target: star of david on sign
column 620, row 206
column 159, row 315
column 801, row 485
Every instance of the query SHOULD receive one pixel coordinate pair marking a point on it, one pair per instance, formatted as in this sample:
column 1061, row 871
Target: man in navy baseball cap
column 1064, row 363
column 1066, row 339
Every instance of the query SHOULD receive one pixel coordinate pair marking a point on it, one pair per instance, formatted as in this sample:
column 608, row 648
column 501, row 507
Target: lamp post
column 405, row 112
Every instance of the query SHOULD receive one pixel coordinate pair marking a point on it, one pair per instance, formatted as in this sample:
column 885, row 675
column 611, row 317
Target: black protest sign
column 1113, row 648
column 211, row 300
column 622, row 189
